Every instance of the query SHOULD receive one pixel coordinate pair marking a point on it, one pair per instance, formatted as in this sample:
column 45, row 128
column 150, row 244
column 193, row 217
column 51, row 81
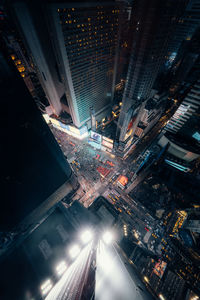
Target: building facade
column 186, row 120
column 35, row 173
column 152, row 26
column 75, row 50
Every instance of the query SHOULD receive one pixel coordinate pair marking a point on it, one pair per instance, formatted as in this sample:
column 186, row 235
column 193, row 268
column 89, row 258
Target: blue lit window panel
column 196, row 136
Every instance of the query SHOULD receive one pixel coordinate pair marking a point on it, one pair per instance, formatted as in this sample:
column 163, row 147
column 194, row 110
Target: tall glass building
column 34, row 172
column 153, row 24
column 77, row 64
column 86, row 38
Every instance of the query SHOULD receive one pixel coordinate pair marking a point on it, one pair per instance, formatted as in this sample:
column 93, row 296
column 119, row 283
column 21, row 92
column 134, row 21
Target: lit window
column 21, row 69
column 78, row 26
column 73, row 9
column 89, row 19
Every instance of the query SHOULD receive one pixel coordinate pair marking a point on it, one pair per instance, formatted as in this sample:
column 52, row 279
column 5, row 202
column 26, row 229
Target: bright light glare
column 61, row 267
column 107, row 237
column 146, row 279
column 74, row 251
column 161, row 297
column 46, row 286
column 136, row 235
column 86, row 236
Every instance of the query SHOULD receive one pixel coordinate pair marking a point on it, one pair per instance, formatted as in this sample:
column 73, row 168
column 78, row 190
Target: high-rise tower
column 34, row 172
column 185, row 120
column 75, row 50
column 188, row 22
column 152, row 25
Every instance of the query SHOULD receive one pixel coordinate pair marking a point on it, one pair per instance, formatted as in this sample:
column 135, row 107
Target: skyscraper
column 186, row 61
column 75, row 51
column 152, row 26
column 186, row 118
column 35, row 174
column 34, row 33
column 187, row 24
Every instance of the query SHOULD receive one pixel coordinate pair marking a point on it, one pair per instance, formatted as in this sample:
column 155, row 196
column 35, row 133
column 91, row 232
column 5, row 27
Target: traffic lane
column 130, row 209
column 133, row 205
column 64, row 287
column 113, row 281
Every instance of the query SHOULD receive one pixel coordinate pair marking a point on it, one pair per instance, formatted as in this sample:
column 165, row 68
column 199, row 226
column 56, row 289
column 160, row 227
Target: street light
column 107, row 237
column 161, row 297
column 74, row 251
column 86, row 236
column 60, row 268
column 46, row 286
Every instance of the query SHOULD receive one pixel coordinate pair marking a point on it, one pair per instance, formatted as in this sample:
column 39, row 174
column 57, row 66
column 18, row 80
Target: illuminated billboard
column 128, row 144
column 62, row 125
column 107, row 144
column 123, row 180
column 107, row 139
column 54, row 121
column 95, row 136
column 159, row 268
column 74, row 130
column 106, row 149
column 46, row 117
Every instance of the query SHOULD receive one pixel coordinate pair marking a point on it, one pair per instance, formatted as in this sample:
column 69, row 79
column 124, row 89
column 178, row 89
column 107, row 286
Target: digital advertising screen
column 107, row 139
column 95, row 136
column 159, row 268
column 107, row 144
